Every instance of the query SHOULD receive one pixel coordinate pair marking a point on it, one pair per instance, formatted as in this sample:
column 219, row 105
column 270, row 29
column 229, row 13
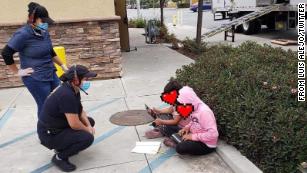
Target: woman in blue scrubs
column 36, row 54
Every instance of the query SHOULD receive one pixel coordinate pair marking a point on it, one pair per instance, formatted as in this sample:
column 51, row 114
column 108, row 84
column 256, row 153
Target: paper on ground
column 146, row 147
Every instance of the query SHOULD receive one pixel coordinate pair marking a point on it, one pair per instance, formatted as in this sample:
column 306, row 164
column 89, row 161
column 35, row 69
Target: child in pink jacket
column 200, row 135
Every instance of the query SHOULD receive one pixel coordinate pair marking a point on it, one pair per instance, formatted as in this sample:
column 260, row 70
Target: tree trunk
column 199, row 21
column 161, row 9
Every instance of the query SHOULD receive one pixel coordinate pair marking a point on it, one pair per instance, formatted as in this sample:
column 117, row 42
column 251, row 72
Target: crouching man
column 63, row 124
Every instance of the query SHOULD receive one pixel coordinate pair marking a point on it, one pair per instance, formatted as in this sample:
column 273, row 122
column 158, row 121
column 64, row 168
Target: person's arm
column 206, row 121
column 70, row 106
column 75, row 123
column 167, row 110
column 56, row 60
column 188, row 126
column 7, row 55
column 174, row 121
column 84, row 119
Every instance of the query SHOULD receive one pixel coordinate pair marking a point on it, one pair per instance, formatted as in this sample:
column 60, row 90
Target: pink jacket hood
column 187, row 95
column 203, row 125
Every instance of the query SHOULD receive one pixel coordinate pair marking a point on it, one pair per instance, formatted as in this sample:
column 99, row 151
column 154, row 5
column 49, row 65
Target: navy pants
column 40, row 89
column 66, row 142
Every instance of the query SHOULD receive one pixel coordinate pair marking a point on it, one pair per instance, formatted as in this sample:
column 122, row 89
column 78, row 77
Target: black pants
column 66, row 142
column 193, row 148
column 167, row 130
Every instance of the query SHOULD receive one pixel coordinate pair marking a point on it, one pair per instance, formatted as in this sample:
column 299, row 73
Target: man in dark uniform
column 63, row 124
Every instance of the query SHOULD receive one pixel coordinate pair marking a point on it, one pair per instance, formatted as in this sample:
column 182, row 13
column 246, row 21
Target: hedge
column 252, row 90
column 137, row 23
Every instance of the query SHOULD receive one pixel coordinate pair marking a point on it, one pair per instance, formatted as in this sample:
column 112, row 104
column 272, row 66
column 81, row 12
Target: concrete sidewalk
column 145, row 73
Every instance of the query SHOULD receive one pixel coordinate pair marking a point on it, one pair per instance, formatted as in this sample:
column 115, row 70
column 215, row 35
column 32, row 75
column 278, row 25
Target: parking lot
column 187, row 21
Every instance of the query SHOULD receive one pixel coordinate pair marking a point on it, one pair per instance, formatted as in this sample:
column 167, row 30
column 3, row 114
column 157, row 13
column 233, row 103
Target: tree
column 138, row 6
column 199, row 22
column 162, row 2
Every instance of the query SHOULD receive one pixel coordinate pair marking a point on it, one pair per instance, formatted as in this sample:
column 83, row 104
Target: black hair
column 172, row 85
column 31, row 7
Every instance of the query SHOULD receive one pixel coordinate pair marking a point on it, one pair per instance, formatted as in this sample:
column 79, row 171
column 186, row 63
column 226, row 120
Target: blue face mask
column 85, row 85
column 42, row 26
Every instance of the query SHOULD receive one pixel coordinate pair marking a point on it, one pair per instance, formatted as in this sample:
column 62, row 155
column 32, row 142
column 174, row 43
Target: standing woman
column 36, row 54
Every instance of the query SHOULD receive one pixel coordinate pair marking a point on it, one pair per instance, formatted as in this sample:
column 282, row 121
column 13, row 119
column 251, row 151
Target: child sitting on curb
column 200, row 136
column 171, row 122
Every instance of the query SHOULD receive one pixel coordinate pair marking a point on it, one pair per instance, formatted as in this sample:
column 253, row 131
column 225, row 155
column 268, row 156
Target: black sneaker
column 64, row 165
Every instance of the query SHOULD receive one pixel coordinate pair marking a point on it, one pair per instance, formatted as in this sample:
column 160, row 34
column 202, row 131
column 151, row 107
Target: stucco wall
column 15, row 11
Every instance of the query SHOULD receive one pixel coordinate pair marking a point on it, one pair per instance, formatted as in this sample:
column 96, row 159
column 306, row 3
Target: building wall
column 95, row 44
column 15, row 11
column 88, row 30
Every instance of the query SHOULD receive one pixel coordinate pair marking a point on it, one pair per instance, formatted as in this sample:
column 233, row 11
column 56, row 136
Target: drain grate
column 131, row 118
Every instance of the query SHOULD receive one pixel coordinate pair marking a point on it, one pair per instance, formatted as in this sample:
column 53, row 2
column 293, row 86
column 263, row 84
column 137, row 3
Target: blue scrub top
column 35, row 52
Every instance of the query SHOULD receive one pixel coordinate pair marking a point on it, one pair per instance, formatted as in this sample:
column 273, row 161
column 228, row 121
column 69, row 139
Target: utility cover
column 131, row 118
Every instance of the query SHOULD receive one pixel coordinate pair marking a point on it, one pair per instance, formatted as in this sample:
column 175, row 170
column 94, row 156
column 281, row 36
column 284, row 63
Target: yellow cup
column 60, row 52
column 174, row 20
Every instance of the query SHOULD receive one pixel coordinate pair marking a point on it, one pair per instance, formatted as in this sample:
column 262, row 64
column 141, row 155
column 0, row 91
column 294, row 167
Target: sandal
column 155, row 133
column 169, row 142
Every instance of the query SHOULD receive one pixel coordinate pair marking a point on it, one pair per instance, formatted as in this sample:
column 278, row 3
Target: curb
column 235, row 160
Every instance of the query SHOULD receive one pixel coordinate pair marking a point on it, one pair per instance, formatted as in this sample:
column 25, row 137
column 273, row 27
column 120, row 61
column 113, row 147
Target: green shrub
column 157, row 21
column 165, row 36
column 163, row 32
column 190, row 46
column 251, row 89
column 137, row 23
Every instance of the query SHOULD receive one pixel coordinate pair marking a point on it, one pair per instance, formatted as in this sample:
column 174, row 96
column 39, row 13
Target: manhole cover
column 131, row 118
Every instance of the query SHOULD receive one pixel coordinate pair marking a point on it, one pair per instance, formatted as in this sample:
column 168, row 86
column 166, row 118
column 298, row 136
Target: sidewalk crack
column 114, row 164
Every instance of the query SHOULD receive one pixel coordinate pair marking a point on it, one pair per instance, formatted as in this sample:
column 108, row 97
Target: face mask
column 85, row 85
column 42, row 26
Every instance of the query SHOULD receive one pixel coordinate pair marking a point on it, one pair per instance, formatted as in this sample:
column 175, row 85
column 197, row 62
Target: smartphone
column 176, row 137
column 150, row 112
column 147, row 107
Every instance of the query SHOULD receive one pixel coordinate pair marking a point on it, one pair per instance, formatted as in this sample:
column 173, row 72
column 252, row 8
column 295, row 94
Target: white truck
column 283, row 17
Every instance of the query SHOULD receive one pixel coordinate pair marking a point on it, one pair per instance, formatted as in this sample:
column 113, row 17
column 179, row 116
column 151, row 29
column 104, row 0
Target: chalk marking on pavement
column 19, row 138
column 97, row 140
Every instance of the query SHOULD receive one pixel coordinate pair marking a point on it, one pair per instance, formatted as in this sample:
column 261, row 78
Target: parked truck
column 282, row 15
